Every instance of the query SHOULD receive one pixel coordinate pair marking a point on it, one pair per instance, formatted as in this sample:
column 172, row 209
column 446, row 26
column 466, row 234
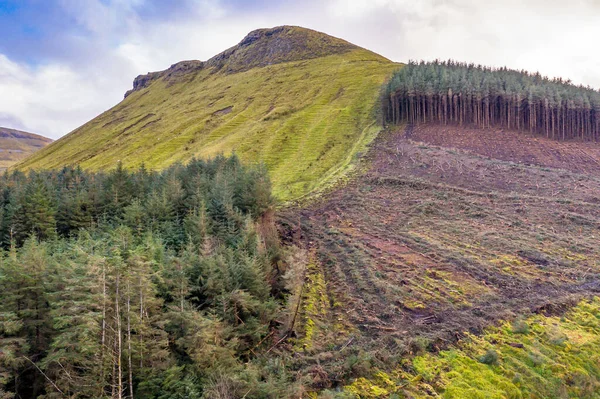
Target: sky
column 62, row 62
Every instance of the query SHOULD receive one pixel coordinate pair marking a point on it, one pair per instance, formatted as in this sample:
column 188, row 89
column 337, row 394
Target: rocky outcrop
column 259, row 48
column 174, row 72
column 264, row 47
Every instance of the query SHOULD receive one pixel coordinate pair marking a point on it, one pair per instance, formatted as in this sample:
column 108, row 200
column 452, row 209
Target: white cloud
column 46, row 99
column 552, row 36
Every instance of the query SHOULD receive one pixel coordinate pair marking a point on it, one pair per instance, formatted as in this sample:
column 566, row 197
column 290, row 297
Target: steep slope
column 16, row 145
column 300, row 101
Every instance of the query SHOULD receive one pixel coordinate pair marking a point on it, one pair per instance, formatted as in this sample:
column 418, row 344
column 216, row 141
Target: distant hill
column 16, row 145
column 300, row 101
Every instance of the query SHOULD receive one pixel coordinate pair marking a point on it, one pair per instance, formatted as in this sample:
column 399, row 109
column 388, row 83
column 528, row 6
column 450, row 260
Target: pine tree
column 76, row 361
column 35, row 211
column 25, row 287
column 450, row 92
column 117, row 192
column 74, row 213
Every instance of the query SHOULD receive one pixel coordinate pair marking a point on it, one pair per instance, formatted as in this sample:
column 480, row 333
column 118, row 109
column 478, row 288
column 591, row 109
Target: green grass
column 305, row 120
column 554, row 357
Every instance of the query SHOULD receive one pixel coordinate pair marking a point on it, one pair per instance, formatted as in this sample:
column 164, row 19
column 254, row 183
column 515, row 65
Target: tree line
column 467, row 94
column 139, row 284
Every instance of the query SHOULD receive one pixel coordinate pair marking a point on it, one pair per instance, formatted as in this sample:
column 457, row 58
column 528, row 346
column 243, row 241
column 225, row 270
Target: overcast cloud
column 62, row 62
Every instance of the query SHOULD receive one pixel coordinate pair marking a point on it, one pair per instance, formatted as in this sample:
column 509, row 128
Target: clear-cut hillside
column 16, row 145
column 446, row 273
column 300, row 101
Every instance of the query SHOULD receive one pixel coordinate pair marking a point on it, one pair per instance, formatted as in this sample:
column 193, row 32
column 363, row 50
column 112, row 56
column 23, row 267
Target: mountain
column 16, row 145
column 299, row 101
column 460, row 261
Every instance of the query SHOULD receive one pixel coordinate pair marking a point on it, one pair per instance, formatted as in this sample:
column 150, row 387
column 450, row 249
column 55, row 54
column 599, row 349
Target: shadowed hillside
column 16, row 145
column 300, row 101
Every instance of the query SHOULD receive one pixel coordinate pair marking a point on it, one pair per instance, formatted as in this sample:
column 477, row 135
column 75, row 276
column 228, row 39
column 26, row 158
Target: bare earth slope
column 519, row 147
column 298, row 100
column 16, row 145
column 432, row 243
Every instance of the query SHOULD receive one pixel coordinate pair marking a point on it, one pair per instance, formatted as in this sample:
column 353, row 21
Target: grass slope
column 306, row 120
column 16, row 145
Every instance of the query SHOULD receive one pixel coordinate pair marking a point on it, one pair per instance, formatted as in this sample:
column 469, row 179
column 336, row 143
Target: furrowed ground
column 432, row 244
column 576, row 156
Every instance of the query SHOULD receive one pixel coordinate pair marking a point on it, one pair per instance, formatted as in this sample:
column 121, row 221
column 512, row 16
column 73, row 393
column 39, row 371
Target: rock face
column 264, row 47
column 259, row 48
column 176, row 70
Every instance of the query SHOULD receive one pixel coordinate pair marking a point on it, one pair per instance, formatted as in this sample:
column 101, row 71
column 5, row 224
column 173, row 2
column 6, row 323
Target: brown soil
column 433, row 242
column 582, row 157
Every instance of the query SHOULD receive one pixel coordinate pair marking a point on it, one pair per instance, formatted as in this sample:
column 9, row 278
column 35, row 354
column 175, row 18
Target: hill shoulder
column 6, row 133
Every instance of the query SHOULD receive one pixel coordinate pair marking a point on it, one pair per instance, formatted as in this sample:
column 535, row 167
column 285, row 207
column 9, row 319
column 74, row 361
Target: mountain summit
column 259, row 48
column 264, row 47
column 299, row 101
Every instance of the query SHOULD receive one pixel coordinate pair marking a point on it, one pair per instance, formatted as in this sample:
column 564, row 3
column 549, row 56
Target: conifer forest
column 133, row 284
column 468, row 94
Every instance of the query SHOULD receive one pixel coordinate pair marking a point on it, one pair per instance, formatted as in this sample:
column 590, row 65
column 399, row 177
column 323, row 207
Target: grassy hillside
column 16, row 145
column 306, row 119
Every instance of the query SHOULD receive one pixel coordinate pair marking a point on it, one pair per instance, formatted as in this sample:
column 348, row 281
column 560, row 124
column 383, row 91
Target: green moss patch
column 554, row 357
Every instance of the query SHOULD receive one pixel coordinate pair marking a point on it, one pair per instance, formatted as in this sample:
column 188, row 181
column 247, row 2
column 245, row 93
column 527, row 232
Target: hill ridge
column 9, row 132
column 259, row 48
column 16, row 145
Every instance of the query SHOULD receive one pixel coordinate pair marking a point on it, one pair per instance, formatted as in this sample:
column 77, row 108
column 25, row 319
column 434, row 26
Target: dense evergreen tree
column 35, row 211
column 466, row 94
column 135, row 284
column 26, row 286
